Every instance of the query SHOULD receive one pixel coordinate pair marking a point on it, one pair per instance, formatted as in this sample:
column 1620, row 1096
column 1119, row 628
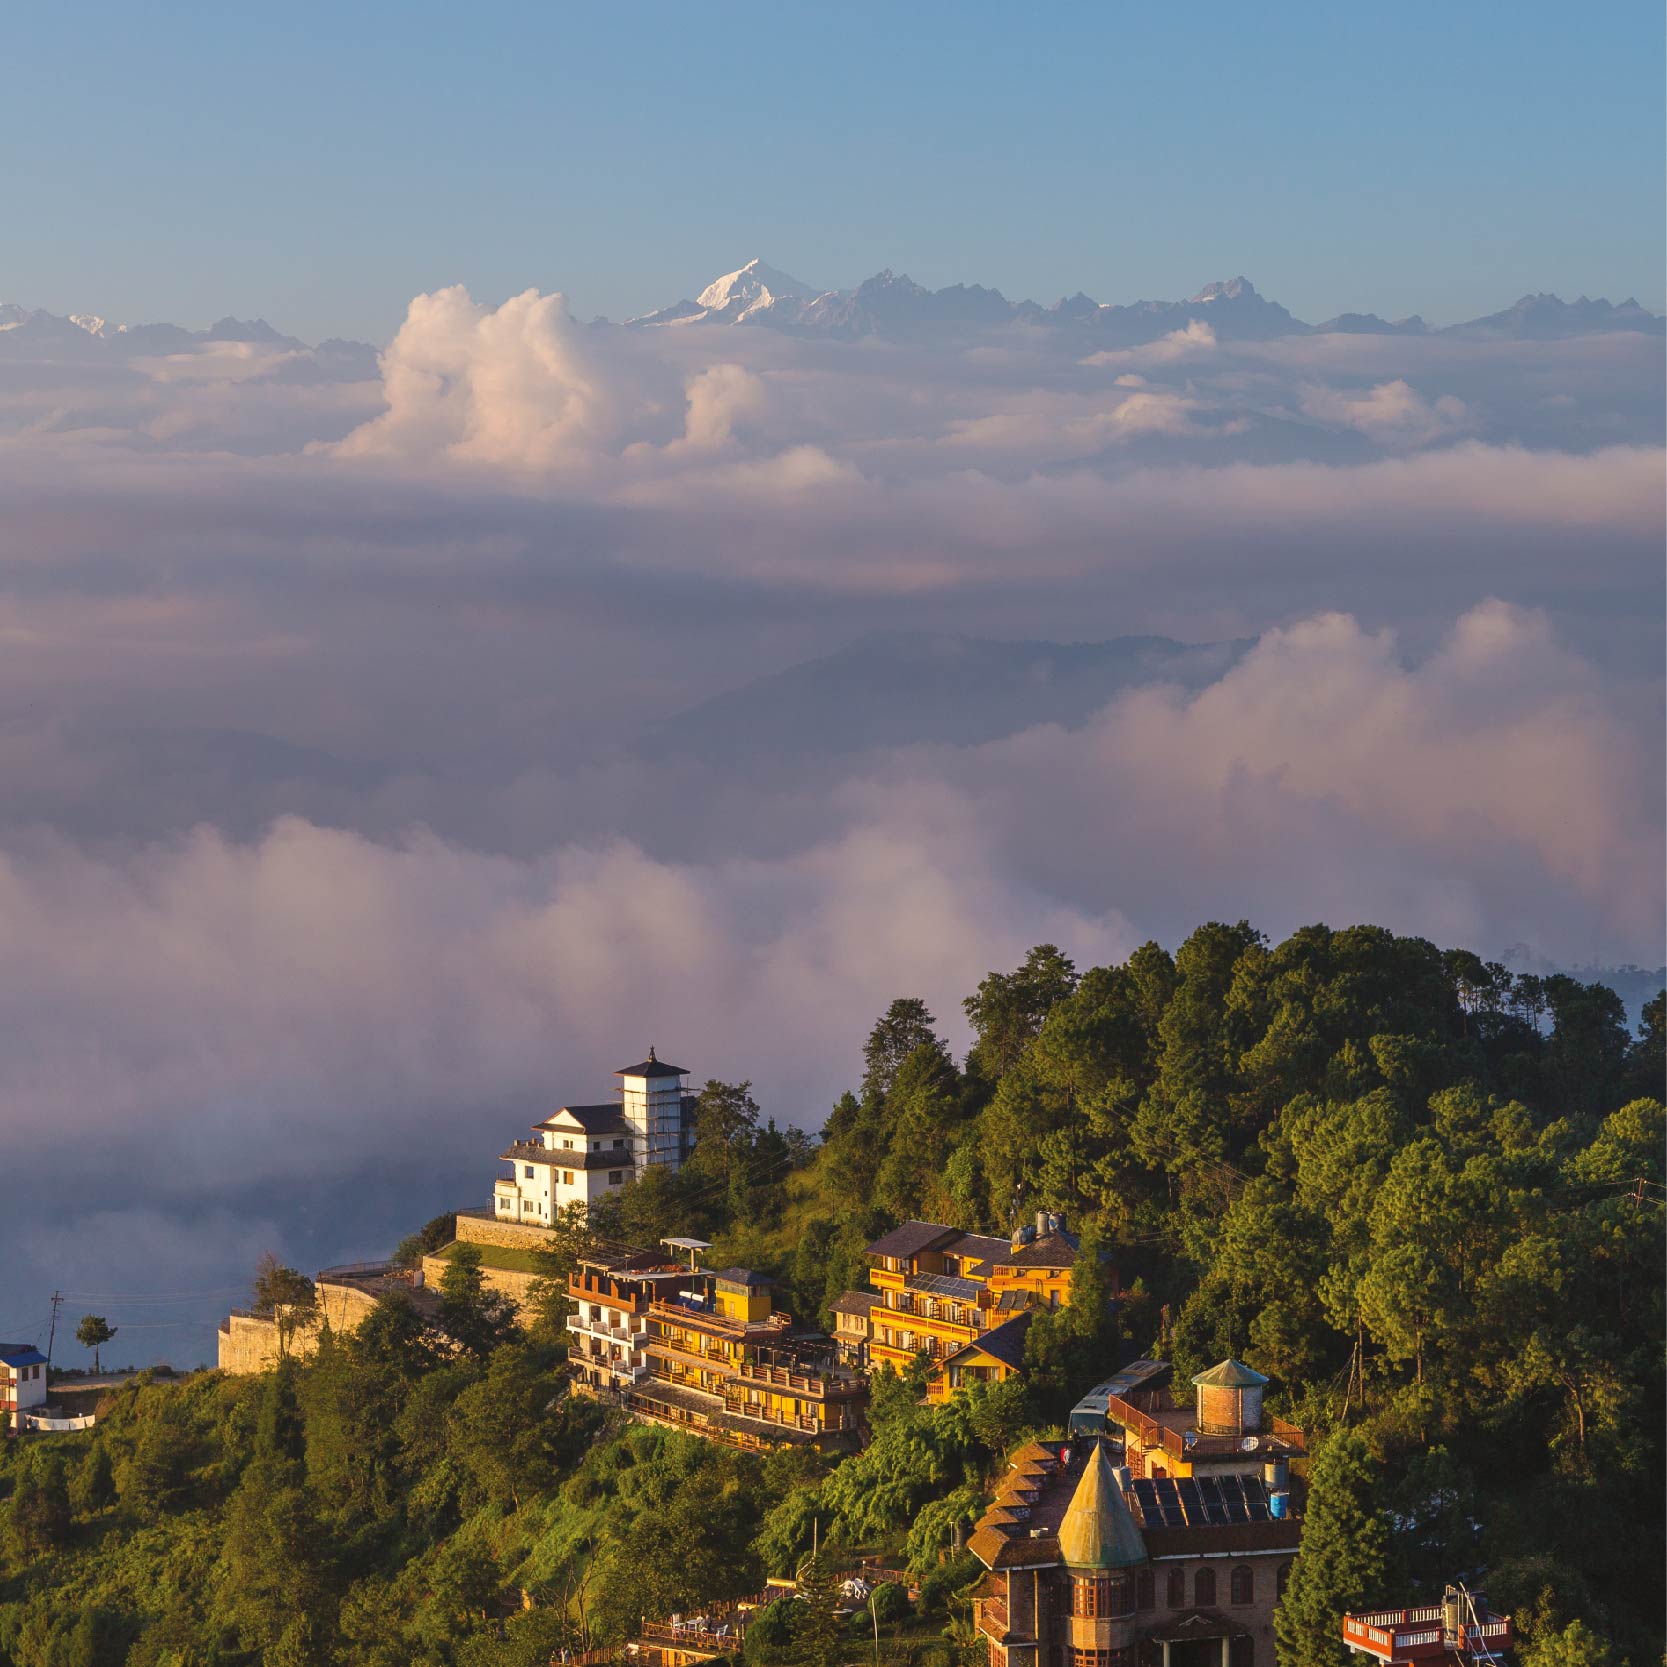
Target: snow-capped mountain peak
column 1227, row 289
column 754, row 285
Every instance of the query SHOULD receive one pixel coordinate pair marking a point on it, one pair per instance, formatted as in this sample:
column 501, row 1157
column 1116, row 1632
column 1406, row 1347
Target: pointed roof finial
column 1098, row 1531
column 651, row 1054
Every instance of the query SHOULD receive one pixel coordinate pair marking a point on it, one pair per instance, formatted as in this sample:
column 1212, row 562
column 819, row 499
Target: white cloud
column 719, row 397
column 1392, row 413
column 1194, row 338
column 509, row 385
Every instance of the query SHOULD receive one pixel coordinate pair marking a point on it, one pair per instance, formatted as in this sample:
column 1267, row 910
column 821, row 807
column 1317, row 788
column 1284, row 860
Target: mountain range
column 912, row 688
column 893, row 305
column 888, row 306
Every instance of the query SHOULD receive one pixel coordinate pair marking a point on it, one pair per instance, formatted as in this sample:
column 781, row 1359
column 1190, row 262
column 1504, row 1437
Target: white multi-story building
column 582, row 1153
column 22, row 1383
column 611, row 1296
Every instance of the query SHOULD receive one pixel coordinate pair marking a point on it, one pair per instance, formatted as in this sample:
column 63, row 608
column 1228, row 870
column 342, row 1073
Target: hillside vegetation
column 1423, row 1195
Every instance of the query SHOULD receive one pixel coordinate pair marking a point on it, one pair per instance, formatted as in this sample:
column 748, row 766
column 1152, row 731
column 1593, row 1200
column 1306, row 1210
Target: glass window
column 1145, row 1591
column 1243, row 1653
column 616, row 1177
column 567, row 1177
column 1282, row 1580
column 527, row 1171
column 1204, row 1588
column 1177, row 1594
column 1242, row 1584
column 1088, row 1595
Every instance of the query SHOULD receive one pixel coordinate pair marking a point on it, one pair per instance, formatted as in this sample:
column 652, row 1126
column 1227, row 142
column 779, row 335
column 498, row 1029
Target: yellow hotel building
column 721, row 1363
column 962, row 1299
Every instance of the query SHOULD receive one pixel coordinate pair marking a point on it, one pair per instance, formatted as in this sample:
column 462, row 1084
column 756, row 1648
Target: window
column 567, row 1177
column 1100, row 1595
column 1282, row 1580
column 1145, row 1591
column 616, row 1177
column 567, row 1145
column 1204, row 1588
column 1177, row 1594
column 527, row 1172
column 1241, row 1584
column 1243, row 1652
column 619, row 1145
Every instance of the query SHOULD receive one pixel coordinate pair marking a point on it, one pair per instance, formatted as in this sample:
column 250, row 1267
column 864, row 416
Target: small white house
column 22, row 1381
column 581, row 1153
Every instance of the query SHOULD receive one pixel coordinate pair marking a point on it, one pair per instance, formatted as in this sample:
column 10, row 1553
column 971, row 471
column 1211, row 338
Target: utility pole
column 52, row 1332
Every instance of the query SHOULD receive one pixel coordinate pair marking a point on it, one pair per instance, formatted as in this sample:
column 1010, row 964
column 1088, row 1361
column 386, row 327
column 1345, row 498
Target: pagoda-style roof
column 651, row 1067
column 1230, row 1374
column 1097, row 1531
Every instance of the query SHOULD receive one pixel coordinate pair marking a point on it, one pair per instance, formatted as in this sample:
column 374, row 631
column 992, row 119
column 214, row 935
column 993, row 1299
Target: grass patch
column 497, row 1256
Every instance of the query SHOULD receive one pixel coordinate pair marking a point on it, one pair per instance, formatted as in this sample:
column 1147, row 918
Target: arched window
column 1282, row 1580
column 1204, row 1588
column 1145, row 1591
column 1243, row 1653
column 1177, row 1595
column 1242, row 1583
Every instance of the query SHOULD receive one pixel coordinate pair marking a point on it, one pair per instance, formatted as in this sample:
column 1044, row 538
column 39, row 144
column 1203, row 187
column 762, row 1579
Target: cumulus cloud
column 719, row 397
column 1392, row 413
column 508, row 385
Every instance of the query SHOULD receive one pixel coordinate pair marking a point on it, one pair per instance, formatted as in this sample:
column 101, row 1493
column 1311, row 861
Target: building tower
column 1101, row 1548
column 657, row 1112
column 1230, row 1399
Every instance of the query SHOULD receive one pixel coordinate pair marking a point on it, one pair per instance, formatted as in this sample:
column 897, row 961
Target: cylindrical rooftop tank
column 1279, row 1505
column 1275, row 1474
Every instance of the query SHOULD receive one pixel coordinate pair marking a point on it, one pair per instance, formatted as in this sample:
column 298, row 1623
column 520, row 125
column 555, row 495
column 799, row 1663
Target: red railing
column 1400, row 1634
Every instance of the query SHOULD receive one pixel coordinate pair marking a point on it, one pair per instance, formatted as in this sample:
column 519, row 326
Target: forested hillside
column 1423, row 1195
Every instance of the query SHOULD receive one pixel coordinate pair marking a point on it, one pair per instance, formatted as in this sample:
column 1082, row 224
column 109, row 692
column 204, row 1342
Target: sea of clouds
column 330, row 855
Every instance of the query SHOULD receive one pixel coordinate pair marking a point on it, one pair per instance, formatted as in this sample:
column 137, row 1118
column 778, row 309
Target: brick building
column 1092, row 1566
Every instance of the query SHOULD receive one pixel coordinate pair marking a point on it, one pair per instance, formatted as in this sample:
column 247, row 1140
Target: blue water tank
column 1279, row 1505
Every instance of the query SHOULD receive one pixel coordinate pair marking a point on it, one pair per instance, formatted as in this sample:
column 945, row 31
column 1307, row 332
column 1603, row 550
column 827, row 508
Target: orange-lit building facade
column 718, row 1360
column 958, row 1298
column 1091, row 1566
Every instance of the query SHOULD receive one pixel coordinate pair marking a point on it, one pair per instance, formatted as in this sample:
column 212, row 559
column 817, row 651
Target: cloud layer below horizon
column 329, row 821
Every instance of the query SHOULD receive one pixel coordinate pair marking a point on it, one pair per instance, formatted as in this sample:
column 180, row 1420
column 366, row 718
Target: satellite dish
column 1250, row 1444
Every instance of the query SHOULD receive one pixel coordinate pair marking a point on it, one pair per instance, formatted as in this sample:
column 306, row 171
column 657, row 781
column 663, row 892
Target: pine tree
column 40, row 1515
column 1345, row 1561
column 819, row 1631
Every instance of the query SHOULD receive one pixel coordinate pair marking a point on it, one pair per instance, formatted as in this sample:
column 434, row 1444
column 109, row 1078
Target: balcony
column 613, row 1333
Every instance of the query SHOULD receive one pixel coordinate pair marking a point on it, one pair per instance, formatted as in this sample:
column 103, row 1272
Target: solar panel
column 942, row 1284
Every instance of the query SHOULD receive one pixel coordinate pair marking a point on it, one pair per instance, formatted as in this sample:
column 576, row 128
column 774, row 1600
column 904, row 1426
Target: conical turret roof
column 1231, row 1374
column 1098, row 1531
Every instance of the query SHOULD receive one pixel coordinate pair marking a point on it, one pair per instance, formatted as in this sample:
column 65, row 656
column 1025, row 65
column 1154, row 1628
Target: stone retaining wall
column 511, row 1235
column 508, row 1281
column 249, row 1342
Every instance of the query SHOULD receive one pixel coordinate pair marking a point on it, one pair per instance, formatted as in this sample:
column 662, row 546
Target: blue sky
column 320, row 164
